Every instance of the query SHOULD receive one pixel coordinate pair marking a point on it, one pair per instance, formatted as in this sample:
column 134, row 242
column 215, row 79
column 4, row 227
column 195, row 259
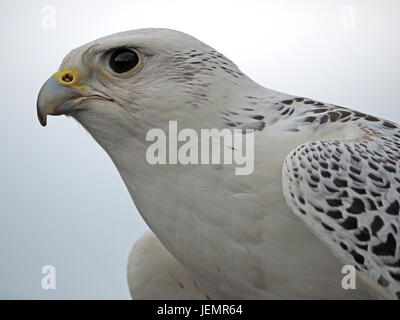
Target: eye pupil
column 123, row 60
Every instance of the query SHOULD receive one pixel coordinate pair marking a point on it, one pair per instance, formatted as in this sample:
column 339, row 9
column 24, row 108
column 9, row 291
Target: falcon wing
column 348, row 194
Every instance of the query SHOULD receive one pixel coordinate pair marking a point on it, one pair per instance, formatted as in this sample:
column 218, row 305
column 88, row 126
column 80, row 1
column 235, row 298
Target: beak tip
column 43, row 122
column 42, row 118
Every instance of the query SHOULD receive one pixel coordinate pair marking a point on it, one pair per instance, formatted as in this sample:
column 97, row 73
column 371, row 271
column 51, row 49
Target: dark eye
column 123, row 60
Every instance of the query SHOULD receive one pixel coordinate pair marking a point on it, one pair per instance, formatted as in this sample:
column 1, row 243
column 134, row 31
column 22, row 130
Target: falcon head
column 135, row 80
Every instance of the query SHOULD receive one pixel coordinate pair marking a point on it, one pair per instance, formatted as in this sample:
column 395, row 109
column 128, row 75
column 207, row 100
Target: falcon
column 324, row 193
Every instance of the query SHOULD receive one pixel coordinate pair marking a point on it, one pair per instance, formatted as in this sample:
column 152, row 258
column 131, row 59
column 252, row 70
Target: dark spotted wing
column 348, row 193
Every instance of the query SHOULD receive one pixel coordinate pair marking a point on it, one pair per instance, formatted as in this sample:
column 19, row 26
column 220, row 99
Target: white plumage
column 228, row 236
column 154, row 273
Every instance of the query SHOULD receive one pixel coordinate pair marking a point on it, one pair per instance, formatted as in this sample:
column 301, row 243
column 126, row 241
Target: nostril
column 68, row 77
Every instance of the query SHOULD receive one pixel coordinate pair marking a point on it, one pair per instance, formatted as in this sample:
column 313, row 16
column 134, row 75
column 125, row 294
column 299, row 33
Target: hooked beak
column 55, row 99
column 63, row 94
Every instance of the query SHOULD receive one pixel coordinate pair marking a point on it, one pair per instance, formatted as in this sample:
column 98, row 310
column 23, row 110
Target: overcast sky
column 62, row 201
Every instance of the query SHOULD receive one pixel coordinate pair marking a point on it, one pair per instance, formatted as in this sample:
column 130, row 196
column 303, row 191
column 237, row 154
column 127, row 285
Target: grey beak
column 55, row 99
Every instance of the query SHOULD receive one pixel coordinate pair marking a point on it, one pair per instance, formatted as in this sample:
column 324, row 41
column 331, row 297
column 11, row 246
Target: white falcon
column 325, row 190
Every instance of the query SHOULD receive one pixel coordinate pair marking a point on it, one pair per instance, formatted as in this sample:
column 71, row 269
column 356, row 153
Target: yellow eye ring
column 70, row 77
column 67, row 77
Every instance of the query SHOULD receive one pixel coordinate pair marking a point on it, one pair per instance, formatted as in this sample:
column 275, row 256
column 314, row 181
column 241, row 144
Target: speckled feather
column 347, row 192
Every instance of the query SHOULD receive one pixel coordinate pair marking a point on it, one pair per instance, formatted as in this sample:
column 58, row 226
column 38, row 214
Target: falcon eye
column 123, row 60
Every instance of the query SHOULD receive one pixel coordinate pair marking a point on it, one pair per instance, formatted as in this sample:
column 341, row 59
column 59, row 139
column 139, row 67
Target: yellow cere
column 70, row 78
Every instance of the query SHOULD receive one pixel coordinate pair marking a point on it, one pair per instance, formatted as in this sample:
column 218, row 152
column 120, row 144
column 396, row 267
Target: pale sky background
column 62, row 201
